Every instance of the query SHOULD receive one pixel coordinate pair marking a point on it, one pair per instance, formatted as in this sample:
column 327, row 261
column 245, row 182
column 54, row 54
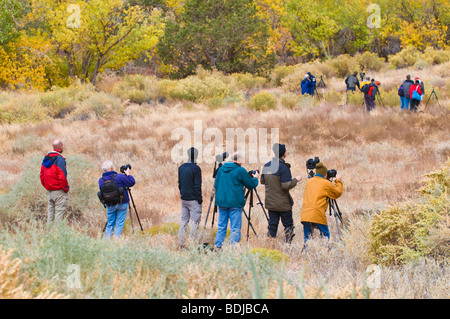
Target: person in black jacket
column 190, row 186
column 352, row 82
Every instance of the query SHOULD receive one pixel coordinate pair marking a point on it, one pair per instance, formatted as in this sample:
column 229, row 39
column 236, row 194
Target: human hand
column 298, row 178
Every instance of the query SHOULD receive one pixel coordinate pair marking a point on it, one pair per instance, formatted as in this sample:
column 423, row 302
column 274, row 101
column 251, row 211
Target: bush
column 262, row 101
column 280, row 72
column 403, row 232
column 99, row 105
column 370, row 61
column 434, row 56
column 28, row 198
column 249, row 81
column 270, row 254
column 344, row 65
column 202, row 87
column 405, row 58
column 289, row 100
column 23, row 109
column 137, row 88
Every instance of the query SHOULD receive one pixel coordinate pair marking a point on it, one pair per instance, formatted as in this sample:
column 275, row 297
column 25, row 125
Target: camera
column 331, row 173
column 123, row 168
column 361, row 75
column 311, row 163
column 221, row 157
column 253, row 172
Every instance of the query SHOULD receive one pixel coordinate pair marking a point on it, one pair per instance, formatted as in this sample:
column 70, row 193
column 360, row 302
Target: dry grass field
column 382, row 157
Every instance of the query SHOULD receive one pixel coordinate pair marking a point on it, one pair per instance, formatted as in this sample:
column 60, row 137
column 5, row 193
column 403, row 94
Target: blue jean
column 235, row 217
column 404, row 103
column 116, row 219
column 308, row 228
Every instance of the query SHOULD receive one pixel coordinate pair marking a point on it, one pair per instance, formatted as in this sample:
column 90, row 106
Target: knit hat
column 321, row 169
column 279, row 150
column 193, row 154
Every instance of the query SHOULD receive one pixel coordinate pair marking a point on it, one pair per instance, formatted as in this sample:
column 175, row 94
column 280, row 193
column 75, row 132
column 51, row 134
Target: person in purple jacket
column 116, row 213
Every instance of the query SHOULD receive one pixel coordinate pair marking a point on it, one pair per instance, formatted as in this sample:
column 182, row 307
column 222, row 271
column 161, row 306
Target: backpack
column 365, row 88
column 110, row 193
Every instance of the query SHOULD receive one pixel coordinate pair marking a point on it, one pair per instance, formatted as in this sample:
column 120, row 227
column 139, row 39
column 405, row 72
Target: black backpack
column 110, row 193
column 365, row 88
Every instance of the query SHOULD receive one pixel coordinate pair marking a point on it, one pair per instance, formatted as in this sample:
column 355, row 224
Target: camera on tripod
column 311, row 165
column 331, row 174
column 123, row 168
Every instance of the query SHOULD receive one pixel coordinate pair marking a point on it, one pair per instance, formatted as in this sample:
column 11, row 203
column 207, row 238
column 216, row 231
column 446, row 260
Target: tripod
column 320, row 85
column 131, row 217
column 379, row 99
column 250, row 205
column 337, row 214
column 434, row 96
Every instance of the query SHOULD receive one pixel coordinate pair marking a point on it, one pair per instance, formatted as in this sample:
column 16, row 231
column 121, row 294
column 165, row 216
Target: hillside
column 382, row 156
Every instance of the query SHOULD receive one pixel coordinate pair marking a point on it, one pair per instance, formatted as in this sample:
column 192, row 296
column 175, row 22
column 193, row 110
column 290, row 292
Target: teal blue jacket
column 229, row 184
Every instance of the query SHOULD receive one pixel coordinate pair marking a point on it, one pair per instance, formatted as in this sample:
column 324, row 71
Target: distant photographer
column 113, row 193
column 352, row 82
column 277, row 178
column 231, row 179
column 190, row 186
column 318, row 191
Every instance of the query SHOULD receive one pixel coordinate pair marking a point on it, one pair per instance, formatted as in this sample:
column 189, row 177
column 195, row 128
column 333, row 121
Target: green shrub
column 289, row 100
column 402, row 232
column 279, row 73
column 99, row 105
column 370, row 61
column 23, row 109
column 249, row 81
column 434, row 56
column 262, row 101
column 405, row 58
column 270, row 254
column 137, row 88
column 166, row 228
column 344, row 65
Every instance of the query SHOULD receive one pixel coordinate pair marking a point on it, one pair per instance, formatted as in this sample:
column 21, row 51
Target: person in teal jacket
column 231, row 181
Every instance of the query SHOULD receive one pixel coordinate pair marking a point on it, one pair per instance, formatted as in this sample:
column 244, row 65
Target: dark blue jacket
column 190, row 182
column 230, row 181
column 121, row 180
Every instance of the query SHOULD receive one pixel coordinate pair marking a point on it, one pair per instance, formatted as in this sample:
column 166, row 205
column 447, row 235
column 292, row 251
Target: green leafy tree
column 98, row 34
column 224, row 34
column 10, row 14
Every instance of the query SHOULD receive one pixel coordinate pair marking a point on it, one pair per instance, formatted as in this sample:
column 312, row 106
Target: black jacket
column 406, row 85
column 190, row 182
column 276, row 177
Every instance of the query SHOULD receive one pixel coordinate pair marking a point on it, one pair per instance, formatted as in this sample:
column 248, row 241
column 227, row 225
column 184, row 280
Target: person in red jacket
column 415, row 97
column 54, row 179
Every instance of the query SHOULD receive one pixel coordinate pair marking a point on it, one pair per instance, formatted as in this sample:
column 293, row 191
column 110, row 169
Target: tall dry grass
column 382, row 157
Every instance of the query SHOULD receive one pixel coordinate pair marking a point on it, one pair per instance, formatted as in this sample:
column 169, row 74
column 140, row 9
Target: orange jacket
column 315, row 203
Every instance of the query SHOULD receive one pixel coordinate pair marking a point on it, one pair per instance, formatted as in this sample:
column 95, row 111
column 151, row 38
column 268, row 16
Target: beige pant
column 191, row 211
column 57, row 205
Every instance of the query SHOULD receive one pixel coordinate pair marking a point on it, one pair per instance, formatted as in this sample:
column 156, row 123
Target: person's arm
column 60, row 162
column 335, row 191
column 287, row 182
column 198, row 184
column 127, row 179
column 248, row 181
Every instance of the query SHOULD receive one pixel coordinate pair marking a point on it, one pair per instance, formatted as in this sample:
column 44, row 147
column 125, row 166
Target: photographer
column 352, row 82
column 318, row 191
column 276, row 176
column 230, row 181
column 117, row 205
column 190, row 186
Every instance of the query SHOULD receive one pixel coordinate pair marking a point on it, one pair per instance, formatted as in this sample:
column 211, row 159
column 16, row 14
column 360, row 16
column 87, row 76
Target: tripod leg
column 249, row 222
column 207, row 214
column 134, row 206
column 250, row 205
column 262, row 205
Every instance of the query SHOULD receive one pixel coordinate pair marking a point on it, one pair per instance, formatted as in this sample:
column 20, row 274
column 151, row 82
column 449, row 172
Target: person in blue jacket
column 117, row 213
column 308, row 84
column 231, row 181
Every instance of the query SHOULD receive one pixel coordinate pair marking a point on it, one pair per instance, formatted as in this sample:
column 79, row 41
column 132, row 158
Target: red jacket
column 54, row 172
column 413, row 88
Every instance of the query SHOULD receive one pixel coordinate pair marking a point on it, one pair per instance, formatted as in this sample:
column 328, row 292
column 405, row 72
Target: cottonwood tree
column 224, row 34
column 97, row 34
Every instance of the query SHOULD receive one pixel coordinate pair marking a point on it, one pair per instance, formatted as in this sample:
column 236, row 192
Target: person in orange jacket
column 318, row 191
